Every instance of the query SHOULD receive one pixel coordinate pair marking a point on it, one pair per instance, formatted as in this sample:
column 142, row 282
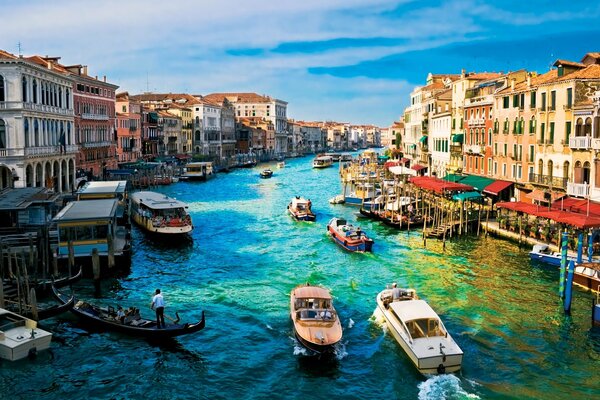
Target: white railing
column 96, row 144
column 72, row 148
column 596, row 144
column 46, row 109
column 473, row 148
column 580, row 142
column 12, row 152
column 36, row 151
column 476, row 122
column 96, row 117
column 578, row 189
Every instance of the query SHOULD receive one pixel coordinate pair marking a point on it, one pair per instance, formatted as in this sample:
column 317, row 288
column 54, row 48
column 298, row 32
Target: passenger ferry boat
column 419, row 331
column 316, row 323
column 323, row 162
column 198, row 171
column 20, row 337
column 161, row 214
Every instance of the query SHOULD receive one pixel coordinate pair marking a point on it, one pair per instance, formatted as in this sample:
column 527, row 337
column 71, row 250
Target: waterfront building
column 315, row 136
column 395, row 134
column 152, row 139
column 372, row 136
column 440, row 120
column 338, row 135
column 260, row 135
column 129, row 133
column 252, row 105
column 94, row 103
column 459, row 88
column 170, row 126
column 479, row 121
column 184, row 140
column 227, row 138
column 296, row 140
column 37, row 135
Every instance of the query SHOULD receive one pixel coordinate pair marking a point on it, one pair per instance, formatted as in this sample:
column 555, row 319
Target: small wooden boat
column 300, row 209
column 161, row 214
column 587, row 275
column 339, row 199
column 348, row 236
column 596, row 309
column 419, row 331
column 267, row 173
column 134, row 324
column 316, row 323
column 20, row 337
column 281, row 164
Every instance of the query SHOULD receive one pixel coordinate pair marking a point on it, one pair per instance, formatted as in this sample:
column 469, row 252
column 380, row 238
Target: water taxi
column 419, row 331
column 281, row 164
column 20, row 337
column 198, row 171
column 161, row 214
column 300, row 209
column 89, row 225
column 316, row 323
column 323, row 162
column 267, row 173
column 348, row 236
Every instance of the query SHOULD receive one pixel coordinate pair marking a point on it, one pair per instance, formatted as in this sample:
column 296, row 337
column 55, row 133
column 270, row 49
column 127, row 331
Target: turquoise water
column 247, row 255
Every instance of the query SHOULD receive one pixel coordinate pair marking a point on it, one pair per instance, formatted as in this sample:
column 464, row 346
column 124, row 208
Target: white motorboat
column 20, row 337
column 419, row 331
column 323, row 162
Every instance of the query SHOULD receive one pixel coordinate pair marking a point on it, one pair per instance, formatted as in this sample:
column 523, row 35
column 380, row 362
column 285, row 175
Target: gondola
column 45, row 312
column 41, row 286
column 135, row 325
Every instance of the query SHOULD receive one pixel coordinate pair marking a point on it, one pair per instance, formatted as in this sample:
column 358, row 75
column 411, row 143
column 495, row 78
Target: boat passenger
column 395, row 292
column 326, row 314
column 120, row 314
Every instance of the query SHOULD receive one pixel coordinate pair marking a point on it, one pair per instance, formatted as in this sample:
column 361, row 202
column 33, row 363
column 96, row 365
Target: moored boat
column 198, row 171
column 158, row 213
column 348, row 236
column 322, row 162
column 132, row 324
column 339, row 199
column 316, row 323
column 300, row 209
column 20, row 337
column 419, row 331
column 281, row 164
column 267, row 173
column 587, row 275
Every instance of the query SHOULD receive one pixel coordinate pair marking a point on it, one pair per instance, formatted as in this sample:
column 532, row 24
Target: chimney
column 462, row 73
column 85, row 69
column 528, row 81
column 104, row 78
column 49, row 64
column 512, row 84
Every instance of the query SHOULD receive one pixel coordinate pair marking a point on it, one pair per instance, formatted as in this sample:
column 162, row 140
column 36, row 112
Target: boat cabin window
column 79, row 233
column 425, row 327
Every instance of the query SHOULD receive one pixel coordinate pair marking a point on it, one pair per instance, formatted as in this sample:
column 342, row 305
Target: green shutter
column 568, row 130
column 551, row 132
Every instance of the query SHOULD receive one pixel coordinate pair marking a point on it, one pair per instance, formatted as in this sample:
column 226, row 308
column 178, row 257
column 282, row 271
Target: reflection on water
column 239, row 266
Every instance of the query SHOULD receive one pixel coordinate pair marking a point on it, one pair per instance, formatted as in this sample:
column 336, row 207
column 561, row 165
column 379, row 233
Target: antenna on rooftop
column 19, row 48
column 147, row 83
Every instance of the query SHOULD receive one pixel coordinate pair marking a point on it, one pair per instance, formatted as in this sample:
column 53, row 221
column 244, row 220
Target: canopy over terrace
column 581, row 206
column 439, row 185
column 577, row 220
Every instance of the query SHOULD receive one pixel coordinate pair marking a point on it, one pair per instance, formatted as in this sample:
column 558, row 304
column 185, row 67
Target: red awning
column 497, row 187
column 391, row 164
column 581, row 206
column 418, row 167
column 439, row 185
column 539, row 195
column 578, row 220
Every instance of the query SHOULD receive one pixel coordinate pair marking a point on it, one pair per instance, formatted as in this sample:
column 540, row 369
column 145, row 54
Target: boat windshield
column 425, row 327
column 316, row 314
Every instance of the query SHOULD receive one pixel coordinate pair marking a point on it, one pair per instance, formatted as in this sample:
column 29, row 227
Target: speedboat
column 419, row 331
column 267, row 173
column 316, row 323
column 157, row 213
column 542, row 253
column 300, row 209
column 20, row 337
column 348, row 236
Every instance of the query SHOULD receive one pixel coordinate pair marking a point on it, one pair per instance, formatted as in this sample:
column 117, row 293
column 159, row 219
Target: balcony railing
column 90, row 145
column 473, row 148
column 12, row 152
column 95, row 117
column 547, row 180
column 580, row 142
column 578, row 189
column 596, row 143
column 456, row 148
column 476, row 122
column 47, row 109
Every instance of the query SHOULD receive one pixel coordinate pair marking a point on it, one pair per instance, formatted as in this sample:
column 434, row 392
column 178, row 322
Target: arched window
column 586, row 172
column 26, row 130
column 36, row 133
column 587, row 130
column 550, row 168
column 578, row 173
column 60, row 102
column 43, row 90
column 532, row 125
column 67, row 99
column 541, row 167
column 197, row 138
column 24, row 89
column 2, row 94
column 522, row 125
column 2, row 134
column 34, row 94
column 579, row 127
column 566, row 170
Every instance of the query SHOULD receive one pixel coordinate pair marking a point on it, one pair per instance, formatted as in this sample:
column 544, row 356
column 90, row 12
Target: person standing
column 158, row 304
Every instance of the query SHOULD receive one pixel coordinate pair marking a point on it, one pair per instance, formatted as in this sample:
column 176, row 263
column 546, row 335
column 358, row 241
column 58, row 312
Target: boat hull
column 20, row 338
column 364, row 245
column 587, row 281
column 314, row 347
column 435, row 364
column 146, row 224
column 303, row 217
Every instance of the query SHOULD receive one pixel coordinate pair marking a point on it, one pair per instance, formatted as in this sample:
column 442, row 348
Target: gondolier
column 158, row 304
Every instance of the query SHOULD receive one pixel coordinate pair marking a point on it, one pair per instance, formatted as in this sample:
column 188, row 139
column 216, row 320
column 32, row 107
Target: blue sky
column 345, row 60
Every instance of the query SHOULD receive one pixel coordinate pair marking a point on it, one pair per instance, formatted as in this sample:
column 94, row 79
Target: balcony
column 547, row 180
column 580, row 142
column 456, row 149
column 12, row 152
column 476, row 122
column 94, row 117
column 92, row 145
column 578, row 189
column 473, row 149
column 596, row 143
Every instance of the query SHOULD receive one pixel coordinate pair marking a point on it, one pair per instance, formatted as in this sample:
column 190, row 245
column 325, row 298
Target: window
column 543, row 131
column 490, row 137
column 506, row 123
column 496, row 126
column 532, row 103
column 522, row 101
column 505, row 102
column 495, row 168
column 532, row 125
column 553, row 100
column 543, row 101
column 569, row 97
column 2, row 134
column 516, row 126
column 505, row 149
column 551, row 133
column 35, row 87
column 23, row 88
column 495, row 149
column 516, row 100
column 2, row 94
column 531, row 153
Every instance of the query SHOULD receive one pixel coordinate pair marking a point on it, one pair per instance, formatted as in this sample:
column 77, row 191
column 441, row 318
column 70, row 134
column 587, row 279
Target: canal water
column 245, row 256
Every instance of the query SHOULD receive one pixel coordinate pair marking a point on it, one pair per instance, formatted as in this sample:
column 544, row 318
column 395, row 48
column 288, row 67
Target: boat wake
column 350, row 323
column 379, row 319
column 340, row 351
column 444, row 387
